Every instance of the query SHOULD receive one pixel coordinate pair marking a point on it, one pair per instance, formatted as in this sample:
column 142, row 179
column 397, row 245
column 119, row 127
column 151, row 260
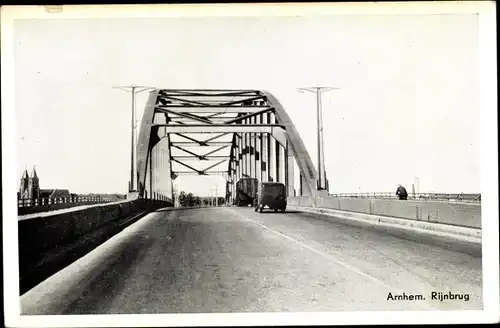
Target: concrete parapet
column 394, row 208
column 51, row 207
column 133, row 195
column 457, row 214
column 300, row 201
column 467, row 215
column 353, row 205
column 45, row 241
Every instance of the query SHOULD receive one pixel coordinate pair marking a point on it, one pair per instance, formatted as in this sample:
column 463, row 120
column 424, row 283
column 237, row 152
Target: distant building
column 30, row 188
column 54, row 193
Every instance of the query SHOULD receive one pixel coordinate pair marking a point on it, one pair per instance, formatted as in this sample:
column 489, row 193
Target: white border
column 487, row 15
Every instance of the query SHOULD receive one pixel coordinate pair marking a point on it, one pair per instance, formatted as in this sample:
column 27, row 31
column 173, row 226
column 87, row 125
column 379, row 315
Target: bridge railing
column 455, row 213
column 82, row 200
column 476, row 198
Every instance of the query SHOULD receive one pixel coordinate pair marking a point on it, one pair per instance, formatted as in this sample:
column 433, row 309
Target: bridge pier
column 258, row 167
column 277, row 161
column 265, row 152
column 270, row 156
column 289, row 171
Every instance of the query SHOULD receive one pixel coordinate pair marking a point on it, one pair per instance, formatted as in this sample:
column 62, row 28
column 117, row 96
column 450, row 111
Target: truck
column 246, row 191
column 271, row 195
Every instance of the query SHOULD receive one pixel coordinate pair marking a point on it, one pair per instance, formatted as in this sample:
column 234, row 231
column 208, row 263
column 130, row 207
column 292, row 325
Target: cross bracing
column 233, row 133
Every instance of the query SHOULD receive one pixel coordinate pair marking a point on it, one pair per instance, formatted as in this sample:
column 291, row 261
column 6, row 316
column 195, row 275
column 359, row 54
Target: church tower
column 23, row 188
column 34, row 185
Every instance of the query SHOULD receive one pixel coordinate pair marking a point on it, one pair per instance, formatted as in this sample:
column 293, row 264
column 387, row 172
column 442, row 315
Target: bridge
column 325, row 253
column 252, row 134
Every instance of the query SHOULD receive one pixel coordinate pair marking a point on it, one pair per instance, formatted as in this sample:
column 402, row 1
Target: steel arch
column 264, row 141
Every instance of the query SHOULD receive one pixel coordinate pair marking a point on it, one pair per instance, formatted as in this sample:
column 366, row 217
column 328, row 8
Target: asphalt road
column 235, row 260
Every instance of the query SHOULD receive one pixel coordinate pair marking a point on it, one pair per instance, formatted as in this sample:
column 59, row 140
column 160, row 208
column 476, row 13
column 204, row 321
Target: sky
column 407, row 104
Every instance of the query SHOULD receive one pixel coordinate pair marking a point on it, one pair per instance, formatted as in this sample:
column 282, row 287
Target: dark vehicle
column 271, row 195
column 246, row 191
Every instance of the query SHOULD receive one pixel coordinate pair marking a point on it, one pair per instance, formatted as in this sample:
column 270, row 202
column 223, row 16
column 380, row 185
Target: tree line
column 191, row 200
column 113, row 195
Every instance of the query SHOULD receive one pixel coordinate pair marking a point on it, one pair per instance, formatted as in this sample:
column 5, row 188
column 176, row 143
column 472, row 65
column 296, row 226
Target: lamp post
column 132, row 89
column 321, row 156
column 214, row 199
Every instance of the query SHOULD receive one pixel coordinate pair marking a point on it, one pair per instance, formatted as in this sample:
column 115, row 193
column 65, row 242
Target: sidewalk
column 457, row 232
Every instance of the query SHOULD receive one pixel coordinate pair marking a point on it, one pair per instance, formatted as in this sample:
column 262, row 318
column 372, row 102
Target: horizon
column 220, row 191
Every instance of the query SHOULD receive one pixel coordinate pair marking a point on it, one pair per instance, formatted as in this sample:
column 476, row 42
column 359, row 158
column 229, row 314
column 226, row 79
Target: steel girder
column 263, row 140
column 308, row 173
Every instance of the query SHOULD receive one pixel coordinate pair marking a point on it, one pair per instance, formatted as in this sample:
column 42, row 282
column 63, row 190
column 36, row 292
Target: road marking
column 323, row 254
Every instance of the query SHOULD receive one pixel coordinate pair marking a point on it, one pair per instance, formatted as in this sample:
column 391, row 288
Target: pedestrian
column 401, row 193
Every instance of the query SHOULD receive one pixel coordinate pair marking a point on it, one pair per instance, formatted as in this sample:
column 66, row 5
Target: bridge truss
column 234, row 133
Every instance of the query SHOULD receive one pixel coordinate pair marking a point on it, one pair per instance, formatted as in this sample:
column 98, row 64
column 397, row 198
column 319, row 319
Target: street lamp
column 321, row 156
column 133, row 89
column 214, row 200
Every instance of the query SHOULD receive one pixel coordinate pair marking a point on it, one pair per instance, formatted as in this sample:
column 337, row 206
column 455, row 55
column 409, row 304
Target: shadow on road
column 37, row 265
column 166, row 209
column 273, row 212
column 266, row 211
